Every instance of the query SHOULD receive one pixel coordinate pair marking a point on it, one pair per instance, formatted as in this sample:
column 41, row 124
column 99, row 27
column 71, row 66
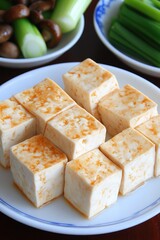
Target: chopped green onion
column 68, row 12
column 146, row 7
column 29, row 38
column 132, row 44
column 146, row 28
column 123, row 46
column 156, row 3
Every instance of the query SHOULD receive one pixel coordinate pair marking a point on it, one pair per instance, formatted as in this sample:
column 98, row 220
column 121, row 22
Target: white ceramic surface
column 103, row 14
column 59, row 216
column 67, row 42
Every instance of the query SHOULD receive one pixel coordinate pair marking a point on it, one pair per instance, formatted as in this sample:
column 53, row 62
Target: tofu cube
column 134, row 154
column 38, row 167
column 124, row 108
column 44, row 100
column 92, row 182
column 151, row 129
column 75, row 131
column 87, row 83
column 16, row 125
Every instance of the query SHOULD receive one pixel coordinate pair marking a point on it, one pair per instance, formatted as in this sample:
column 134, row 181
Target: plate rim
column 71, row 229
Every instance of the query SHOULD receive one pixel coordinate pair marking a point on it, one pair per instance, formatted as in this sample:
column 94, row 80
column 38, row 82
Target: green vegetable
column 47, row 14
column 156, row 3
column 68, row 12
column 131, row 44
column 4, row 4
column 147, row 7
column 29, row 38
column 144, row 27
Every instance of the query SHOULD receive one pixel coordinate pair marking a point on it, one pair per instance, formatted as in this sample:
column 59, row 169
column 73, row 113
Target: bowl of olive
column 32, row 34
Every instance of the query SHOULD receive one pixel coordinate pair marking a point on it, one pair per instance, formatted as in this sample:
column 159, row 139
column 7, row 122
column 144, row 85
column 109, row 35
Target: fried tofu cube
column 44, row 100
column 38, row 168
column 75, row 131
column 16, row 125
column 134, row 154
column 124, row 108
column 151, row 129
column 87, row 83
column 92, row 182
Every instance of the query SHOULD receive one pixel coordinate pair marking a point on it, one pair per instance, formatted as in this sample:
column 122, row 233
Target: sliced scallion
column 68, row 12
column 132, row 44
column 146, row 7
column 29, row 38
column 145, row 28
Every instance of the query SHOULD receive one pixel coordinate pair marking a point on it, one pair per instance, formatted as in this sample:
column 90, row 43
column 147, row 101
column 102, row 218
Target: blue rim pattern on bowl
column 69, row 225
column 100, row 11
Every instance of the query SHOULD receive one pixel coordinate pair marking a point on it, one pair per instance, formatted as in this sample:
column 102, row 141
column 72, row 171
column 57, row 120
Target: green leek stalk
column 68, row 12
column 156, row 3
column 5, row 4
column 131, row 44
column 144, row 27
column 29, row 38
column 147, row 7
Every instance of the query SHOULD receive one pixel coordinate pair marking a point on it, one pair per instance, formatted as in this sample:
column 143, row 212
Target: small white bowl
column 68, row 40
column 104, row 12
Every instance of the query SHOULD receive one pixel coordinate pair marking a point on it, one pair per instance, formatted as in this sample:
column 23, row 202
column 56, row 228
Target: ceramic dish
column 67, row 42
column 104, row 12
column 58, row 216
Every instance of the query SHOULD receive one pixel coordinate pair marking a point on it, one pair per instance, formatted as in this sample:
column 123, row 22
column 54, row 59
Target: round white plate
column 58, row 216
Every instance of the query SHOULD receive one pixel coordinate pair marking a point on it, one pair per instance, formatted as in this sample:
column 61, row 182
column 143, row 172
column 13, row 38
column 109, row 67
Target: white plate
column 59, row 216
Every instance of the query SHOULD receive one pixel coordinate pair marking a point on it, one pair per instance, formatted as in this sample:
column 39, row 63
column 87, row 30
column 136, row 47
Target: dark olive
column 6, row 32
column 35, row 16
column 25, row 2
column 37, row 8
column 51, row 32
column 32, row 1
column 9, row 50
column 42, row 6
column 15, row 12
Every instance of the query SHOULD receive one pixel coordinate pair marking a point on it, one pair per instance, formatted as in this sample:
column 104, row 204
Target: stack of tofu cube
column 55, row 141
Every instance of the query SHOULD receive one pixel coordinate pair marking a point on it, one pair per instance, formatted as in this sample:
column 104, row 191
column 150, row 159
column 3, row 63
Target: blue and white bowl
column 104, row 12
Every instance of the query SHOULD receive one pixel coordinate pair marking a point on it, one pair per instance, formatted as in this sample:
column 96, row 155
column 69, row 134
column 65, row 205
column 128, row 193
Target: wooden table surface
column 88, row 46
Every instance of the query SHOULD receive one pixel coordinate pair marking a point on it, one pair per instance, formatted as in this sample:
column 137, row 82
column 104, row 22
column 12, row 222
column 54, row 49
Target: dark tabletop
column 88, row 46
